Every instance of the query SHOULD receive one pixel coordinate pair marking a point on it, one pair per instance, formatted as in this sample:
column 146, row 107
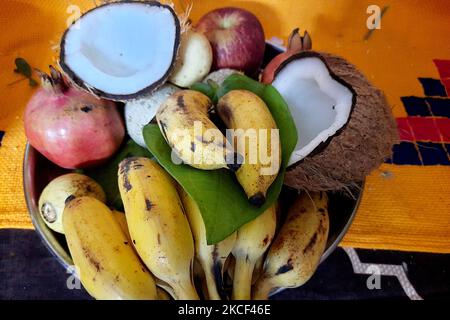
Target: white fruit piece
column 122, row 50
column 320, row 104
column 139, row 112
column 194, row 60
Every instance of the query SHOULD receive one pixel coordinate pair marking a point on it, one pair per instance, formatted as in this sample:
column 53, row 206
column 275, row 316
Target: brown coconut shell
column 359, row 147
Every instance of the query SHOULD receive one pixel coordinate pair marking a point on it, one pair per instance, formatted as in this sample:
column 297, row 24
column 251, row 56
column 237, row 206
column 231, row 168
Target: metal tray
column 38, row 172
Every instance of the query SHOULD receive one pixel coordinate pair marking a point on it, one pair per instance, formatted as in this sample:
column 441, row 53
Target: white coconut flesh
column 319, row 104
column 122, row 48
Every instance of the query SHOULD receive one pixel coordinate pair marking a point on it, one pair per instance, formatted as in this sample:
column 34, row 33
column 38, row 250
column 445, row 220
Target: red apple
column 237, row 38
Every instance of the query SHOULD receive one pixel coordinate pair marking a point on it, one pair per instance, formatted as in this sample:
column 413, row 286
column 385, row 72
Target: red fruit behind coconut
column 71, row 128
column 237, row 38
column 296, row 44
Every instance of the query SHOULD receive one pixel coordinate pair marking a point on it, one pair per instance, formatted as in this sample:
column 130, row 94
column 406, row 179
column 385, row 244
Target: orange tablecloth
column 405, row 207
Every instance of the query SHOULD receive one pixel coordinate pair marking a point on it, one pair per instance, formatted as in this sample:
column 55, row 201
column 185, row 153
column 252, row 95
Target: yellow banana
column 157, row 224
column 165, row 288
column 256, row 137
column 122, row 221
column 231, row 264
column 184, row 123
column 253, row 239
column 296, row 251
column 107, row 264
column 211, row 257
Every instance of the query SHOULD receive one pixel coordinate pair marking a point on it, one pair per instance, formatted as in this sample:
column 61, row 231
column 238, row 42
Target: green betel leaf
column 106, row 175
column 222, row 201
column 207, row 89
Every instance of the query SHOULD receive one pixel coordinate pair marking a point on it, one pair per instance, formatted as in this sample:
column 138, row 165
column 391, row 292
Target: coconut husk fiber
column 359, row 148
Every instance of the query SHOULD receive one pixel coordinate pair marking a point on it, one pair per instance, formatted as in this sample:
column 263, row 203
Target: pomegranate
column 296, row 44
column 72, row 128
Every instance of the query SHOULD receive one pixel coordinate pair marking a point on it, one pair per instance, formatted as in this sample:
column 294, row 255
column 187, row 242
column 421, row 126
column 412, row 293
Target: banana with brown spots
column 162, row 288
column 252, row 241
column 195, row 139
column 256, row 137
column 107, row 265
column 158, row 225
column 295, row 254
column 211, row 257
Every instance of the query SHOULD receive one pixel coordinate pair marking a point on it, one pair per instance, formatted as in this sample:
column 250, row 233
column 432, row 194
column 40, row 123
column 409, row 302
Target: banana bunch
column 211, row 257
column 297, row 249
column 256, row 137
column 252, row 241
column 158, row 224
column 107, row 264
column 195, row 139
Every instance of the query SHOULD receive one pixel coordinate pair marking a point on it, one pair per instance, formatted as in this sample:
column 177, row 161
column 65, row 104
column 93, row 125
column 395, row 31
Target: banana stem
column 186, row 292
column 242, row 283
column 262, row 289
column 213, row 293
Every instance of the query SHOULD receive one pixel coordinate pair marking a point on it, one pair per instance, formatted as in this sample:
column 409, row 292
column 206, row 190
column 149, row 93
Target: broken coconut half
column 122, row 50
column 320, row 103
column 345, row 126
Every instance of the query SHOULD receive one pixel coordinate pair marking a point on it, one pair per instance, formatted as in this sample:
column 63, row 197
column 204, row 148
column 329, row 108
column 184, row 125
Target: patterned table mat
column 406, row 203
column 28, row 271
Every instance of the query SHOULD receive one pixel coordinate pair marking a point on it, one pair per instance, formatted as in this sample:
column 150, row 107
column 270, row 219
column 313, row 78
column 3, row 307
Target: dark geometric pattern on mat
column 433, row 87
column 28, row 271
column 425, row 132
